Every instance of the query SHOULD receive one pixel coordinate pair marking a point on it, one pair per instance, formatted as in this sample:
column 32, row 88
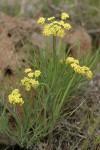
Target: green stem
column 54, row 44
column 54, row 48
column 16, row 116
column 54, row 60
column 65, row 94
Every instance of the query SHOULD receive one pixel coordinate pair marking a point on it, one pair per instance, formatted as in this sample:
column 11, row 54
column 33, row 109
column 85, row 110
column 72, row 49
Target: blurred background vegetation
column 82, row 12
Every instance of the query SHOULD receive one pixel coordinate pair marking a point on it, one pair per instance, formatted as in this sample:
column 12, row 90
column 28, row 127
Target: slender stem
column 17, row 118
column 54, row 59
column 65, row 94
column 54, row 44
column 54, row 48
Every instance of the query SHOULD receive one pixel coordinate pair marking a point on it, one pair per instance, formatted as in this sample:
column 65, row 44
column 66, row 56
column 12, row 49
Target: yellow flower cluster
column 55, row 28
column 15, row 97
column 64, row 16
column 72, row 60
column 41, row 20
column 30, row 82
column 51, row 18
column 77, row 68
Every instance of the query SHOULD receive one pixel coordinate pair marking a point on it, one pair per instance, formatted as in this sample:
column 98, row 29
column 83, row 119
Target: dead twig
column 77, row 134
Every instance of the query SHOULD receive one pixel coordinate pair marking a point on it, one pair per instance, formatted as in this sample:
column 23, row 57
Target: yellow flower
column 15, row 91
column 28, row 70
column 15, row 97
column 82, row 70
column 26, row 83
column 89, row 74
column 74, row 63
column 64, row 16
column 85, row 68
column 61, row 23
column 41, row 20
column 37, row 73
column 67, row 26
column 55, row 28
column 27, row 86
column 29, row 82
column 51, row 18
column 72, row 60
column 24, row 80
column 76, row 68
column 34, row 83
column 31, row 74
column 46, row 30
column 61, row 33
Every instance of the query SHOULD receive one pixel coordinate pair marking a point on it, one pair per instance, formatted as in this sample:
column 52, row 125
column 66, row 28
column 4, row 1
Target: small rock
column 79, row 40
column 13, row 35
